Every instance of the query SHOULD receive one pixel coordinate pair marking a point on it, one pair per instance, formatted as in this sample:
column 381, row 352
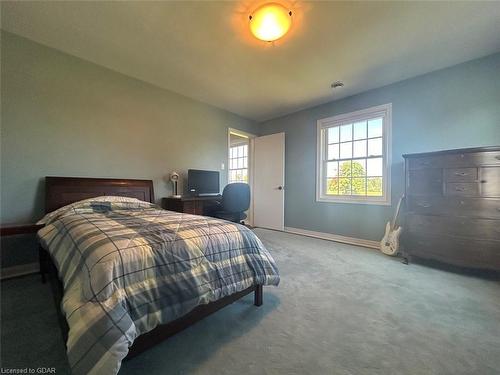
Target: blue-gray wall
column 450, row 108
column 63, row 116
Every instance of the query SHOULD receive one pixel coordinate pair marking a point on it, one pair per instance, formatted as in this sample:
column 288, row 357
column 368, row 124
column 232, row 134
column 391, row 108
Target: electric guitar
column 390, row 243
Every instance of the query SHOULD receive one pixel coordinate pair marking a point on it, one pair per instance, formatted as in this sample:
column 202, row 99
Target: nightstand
column 19, row 229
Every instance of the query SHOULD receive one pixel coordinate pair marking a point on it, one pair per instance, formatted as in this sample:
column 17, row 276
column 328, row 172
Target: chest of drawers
column 453, row 207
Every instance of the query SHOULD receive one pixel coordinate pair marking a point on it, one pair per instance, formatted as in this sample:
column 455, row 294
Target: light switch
column 222, row 166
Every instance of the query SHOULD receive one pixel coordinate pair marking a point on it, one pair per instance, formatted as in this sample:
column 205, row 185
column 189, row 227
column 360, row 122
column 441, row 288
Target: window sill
column 382, row 202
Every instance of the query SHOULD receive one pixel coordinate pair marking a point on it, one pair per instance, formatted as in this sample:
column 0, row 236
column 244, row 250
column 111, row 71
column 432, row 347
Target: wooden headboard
column 60, row 191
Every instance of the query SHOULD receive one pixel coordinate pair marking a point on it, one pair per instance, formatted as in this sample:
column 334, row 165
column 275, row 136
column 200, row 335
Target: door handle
column 280, row 187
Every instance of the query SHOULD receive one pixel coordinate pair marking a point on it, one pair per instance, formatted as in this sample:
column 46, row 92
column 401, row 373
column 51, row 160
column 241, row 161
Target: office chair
column 235, row 201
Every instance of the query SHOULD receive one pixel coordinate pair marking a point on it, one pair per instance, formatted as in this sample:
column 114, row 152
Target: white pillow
column 51, row 216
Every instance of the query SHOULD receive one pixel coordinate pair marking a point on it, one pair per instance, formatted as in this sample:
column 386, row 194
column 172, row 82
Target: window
column 238, row 163
column 353, row 164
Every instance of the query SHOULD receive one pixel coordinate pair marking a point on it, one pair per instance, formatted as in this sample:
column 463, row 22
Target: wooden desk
column 192, row 205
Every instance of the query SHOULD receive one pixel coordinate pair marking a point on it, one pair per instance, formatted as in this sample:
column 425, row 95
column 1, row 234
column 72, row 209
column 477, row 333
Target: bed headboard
column 60, row 191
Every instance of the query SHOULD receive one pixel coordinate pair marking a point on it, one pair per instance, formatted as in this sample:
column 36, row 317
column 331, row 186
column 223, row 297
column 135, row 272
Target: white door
column 269, row 182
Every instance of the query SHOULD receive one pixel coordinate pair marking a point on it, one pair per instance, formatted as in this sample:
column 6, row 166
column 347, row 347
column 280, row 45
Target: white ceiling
column 204, row 49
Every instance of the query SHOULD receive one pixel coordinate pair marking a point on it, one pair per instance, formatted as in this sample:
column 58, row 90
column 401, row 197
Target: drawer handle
column 426, row 205
column 483, row 181
column 461, row 174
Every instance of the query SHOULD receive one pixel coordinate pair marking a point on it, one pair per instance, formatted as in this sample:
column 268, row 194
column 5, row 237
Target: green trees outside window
column 352, row 180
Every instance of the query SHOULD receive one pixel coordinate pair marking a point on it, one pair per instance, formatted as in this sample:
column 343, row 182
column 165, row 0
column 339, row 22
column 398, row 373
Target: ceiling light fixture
column 270, row 22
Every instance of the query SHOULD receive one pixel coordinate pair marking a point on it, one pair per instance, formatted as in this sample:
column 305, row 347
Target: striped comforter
column 127, row 266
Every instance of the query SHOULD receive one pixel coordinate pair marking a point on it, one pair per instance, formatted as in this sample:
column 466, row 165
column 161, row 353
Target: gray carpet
column 339, row 310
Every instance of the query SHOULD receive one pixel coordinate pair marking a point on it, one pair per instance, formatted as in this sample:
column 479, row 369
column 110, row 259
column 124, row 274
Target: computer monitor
column 202, row 182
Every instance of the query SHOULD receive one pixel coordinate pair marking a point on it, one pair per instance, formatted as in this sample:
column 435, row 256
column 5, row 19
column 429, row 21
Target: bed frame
column 60, row 191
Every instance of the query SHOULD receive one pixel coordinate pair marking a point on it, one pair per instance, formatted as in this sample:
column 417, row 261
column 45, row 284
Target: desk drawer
column 189, row 207
column 488, row 208
column 199, row 207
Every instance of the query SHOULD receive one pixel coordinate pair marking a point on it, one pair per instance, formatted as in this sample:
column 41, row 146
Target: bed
column 128, row 275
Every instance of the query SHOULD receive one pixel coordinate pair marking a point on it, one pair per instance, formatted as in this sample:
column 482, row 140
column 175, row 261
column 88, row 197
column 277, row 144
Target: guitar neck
column 396, row 214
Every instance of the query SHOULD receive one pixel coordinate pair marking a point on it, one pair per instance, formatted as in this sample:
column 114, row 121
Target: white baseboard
column 335, row 237
column 23, row 269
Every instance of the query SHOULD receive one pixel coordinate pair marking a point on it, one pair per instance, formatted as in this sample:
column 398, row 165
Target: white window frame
column 384, row 111
column 250, row 151
column 247, row 157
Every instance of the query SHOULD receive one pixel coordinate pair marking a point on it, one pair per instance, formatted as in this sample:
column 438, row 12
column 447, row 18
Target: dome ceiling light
column 270, row 22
